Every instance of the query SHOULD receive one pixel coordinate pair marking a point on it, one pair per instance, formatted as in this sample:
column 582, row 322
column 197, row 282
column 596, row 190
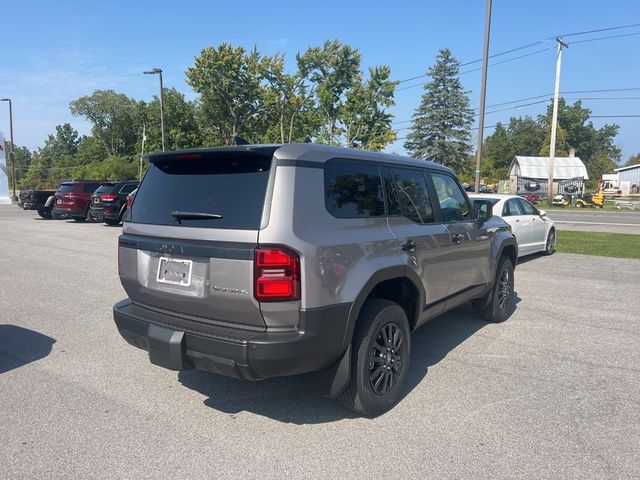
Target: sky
column 55, row 52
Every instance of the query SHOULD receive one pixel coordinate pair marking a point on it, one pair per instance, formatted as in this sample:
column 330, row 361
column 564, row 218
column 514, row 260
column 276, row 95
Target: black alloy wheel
column 386, row 358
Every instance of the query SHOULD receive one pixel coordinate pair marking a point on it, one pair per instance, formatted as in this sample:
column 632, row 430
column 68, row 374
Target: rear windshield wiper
column 178, row 215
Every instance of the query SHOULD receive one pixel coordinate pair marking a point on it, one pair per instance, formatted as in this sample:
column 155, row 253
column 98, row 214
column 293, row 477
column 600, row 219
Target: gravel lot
column 551, row 393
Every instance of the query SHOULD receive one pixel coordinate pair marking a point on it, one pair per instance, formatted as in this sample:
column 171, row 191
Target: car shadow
column 299, row 399
column 20, row 346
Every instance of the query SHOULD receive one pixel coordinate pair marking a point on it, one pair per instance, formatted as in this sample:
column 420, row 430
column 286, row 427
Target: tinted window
column 65, row 188
column 104, row 188
column 353, row 190
column 90, row 187
column 408, row 194
column 511, row 208
column 453, row 203
column 128, row 188
column 232, row 185
column 527, row 208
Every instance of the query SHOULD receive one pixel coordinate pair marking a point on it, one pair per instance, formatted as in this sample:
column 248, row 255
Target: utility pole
column 11, row 154
column 554, row 120
column 483, row 93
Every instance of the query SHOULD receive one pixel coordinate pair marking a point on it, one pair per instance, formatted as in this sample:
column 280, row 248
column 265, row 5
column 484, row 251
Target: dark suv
column 263, row 261
column 109, row 201
column 72, row 199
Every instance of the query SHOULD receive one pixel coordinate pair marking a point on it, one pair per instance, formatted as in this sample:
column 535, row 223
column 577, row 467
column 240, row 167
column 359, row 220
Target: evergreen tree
column 440, row 125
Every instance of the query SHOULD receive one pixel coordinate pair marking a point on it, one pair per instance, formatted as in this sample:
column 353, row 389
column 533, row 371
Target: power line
column 596, row 31
column 605, row 38
column 533, row 44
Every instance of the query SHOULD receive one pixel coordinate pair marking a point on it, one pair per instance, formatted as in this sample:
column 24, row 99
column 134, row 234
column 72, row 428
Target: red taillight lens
column 108, row 197
column 277, row 275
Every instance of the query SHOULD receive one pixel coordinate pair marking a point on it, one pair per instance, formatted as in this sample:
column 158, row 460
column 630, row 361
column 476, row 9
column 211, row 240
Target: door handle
column 410, row 246
column 457, row 238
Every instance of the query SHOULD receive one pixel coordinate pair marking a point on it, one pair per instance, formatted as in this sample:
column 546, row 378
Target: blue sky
column 55, row 52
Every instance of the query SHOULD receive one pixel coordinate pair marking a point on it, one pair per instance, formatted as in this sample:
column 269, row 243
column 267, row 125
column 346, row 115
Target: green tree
column 180, row 123
column 366, row 120
column 440, row 129
column 232, row 87
column 633, row 160
column 113, row 119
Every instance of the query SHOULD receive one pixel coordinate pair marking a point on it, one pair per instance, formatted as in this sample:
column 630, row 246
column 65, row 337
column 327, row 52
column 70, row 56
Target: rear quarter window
column 353, row 189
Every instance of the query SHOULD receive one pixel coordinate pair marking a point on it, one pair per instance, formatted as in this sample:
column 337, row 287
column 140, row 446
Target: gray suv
column 262, row 261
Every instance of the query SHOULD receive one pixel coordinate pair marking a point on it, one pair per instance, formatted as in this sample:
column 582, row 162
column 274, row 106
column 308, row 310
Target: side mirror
column 543, row 213
column 482, row 211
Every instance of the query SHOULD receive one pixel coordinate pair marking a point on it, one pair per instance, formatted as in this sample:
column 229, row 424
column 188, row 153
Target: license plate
column 174, row 271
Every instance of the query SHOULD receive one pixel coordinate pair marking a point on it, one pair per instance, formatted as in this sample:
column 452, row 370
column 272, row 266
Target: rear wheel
column 579, row 205
column 44, row 212
column 497, row 305
column 380, row 361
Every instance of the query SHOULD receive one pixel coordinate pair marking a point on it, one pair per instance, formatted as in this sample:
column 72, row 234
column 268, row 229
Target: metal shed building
column 530, row 175
column 628, row 177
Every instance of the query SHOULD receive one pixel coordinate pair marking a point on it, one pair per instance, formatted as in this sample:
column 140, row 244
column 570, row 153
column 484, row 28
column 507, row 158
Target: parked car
column 37, row 200
column 531, row 197
column 72, row 199
column 109, row 201
column 264, row 261
column 533, row 229
column 483, row 189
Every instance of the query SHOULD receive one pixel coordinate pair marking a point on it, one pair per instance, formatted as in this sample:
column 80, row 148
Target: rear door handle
column 457, row 238
column 410, row 246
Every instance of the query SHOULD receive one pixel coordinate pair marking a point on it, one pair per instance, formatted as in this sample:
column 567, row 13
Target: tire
column 80, row 219
column 376, row 380
column 111, row 221
column 578, row 205
column 44, row 212
column 550, row 245
column 499, row 302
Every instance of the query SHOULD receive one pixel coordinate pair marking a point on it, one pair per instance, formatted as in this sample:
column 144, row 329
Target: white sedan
column 534, row 231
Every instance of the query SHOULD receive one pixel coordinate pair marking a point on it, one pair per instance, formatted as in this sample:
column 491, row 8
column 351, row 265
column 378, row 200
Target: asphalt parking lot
column 554, row 392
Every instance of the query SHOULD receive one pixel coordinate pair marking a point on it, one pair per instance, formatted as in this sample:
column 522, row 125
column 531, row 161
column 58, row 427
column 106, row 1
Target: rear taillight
column 108, row 197
column 276, row 274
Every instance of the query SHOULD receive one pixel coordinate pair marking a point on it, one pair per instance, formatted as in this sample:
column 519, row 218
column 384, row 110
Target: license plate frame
column 177, row 267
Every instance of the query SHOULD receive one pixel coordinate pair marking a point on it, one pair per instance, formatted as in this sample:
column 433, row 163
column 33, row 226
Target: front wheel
column 550, row 246
column 380, row 361
column 578, row 204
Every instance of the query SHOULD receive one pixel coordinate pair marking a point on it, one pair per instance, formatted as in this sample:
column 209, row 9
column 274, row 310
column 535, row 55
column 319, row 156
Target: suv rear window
column 105, row 188
column 66, row 188
column 232, row 185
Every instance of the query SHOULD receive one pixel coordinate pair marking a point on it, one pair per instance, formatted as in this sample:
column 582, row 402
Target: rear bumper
column 64, row 212
column 178, row 343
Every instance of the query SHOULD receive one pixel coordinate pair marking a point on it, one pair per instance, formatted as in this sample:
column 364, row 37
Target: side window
column 511, row 208
column 128, row 188
column 90, row 187
column 353, row 189
column 453, row 203
column 527, row 208
column 408, row 195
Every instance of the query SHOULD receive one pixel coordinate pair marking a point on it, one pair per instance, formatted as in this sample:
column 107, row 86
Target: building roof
column 538, row 167
column 630, row 167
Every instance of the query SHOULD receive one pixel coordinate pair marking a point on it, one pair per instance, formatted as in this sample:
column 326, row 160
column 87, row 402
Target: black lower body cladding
column 178, row 343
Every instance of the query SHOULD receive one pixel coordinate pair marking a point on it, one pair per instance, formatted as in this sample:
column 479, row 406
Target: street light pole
column 158, row 71
column 554, row 121
column 483, row 94
column 11, row 154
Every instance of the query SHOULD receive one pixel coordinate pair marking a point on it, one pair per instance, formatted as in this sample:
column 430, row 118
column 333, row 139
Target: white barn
column 531, row 174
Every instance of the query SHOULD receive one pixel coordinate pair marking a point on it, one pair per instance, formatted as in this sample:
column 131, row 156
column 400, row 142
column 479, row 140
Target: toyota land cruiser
column 263, row 261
